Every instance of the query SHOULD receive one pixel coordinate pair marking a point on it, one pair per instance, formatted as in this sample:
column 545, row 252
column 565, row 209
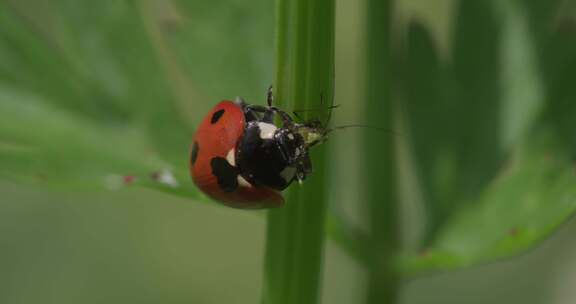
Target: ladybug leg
column 269, row 115
column 303, row 168
column 287, row 120
column 255, row 108
column 253, row 112
column 269, row 96
column 297, row 116
column 270, row 112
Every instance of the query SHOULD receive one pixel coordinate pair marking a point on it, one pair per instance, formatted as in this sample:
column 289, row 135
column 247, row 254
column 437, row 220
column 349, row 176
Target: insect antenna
column 348, row 126
column 331, row 108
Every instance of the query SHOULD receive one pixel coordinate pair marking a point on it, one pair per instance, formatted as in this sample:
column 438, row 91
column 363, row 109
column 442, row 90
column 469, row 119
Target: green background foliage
column 477, row 163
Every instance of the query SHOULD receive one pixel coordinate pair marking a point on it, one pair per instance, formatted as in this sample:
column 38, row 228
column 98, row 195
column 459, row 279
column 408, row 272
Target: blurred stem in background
column 380, row 187
column 305, row 76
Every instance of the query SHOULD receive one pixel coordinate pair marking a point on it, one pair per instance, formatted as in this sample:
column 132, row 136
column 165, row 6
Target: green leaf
column 82, row 105
column 43, row 145
column 92, row 94
column 452, row 112
column 494, row 177
column 485, row 157
column 529, row 199
column 238, row 38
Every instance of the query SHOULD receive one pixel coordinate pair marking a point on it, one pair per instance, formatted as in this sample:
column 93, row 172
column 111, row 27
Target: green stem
column 380, row 187
column 305, row 73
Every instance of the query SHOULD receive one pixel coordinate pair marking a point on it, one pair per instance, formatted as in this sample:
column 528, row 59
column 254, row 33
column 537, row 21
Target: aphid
column 241, row 158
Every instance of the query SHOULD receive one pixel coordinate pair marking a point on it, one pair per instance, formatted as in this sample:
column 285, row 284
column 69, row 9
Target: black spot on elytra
column 225, row 173
column 194, row 154
column 216, row 116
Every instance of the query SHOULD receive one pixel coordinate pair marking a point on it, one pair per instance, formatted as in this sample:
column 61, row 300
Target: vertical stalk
column 379, row 158
column 304, row 80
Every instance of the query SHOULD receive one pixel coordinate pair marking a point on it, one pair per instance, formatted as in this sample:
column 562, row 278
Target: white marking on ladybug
column 230, row 157
column 291, row 137
column 267, row 130
column 297, row 151
column 288, row 173
column 242, row 182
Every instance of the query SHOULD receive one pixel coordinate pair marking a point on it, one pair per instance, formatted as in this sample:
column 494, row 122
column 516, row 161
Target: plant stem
column 305, row 73
column 379, row 160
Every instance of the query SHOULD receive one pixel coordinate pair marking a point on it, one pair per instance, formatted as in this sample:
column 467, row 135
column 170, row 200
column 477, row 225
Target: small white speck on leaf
column 166, row 177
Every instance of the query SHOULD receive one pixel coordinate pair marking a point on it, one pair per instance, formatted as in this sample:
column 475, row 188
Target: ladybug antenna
column 295, row 112
column 330, row 108
column 316, row 109
column 342, row 127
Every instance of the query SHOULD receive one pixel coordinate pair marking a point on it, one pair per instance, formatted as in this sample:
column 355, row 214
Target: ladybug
column 241, row 158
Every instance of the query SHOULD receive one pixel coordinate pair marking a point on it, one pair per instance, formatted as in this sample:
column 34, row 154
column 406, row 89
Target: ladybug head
column 273, row 155
column 296, row 140
column 293, row 147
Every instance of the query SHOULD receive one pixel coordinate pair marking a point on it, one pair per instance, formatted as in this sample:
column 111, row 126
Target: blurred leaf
column 104, row 55
column 452, row 109
column 494, row 180
column 522, row 82
column 88, row 93
column 85, row 101
column 236, row 35
column 555, row 28
column 530, row 198
column 41, row 144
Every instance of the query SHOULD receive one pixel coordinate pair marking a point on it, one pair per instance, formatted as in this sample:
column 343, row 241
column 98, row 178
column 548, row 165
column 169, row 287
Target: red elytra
column 218, row 135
